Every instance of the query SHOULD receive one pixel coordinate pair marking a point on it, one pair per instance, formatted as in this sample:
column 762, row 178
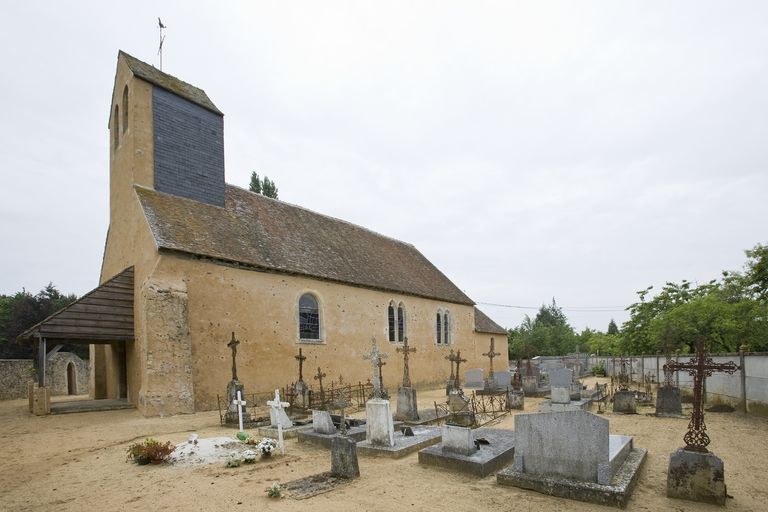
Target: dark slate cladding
column 189, row 149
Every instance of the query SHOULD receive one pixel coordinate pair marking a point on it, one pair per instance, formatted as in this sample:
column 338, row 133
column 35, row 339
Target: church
column 190, row 259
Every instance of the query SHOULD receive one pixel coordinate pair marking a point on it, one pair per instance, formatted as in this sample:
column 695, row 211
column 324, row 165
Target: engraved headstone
column 322, row 422
column 560, row 380
column 458, row 439
column 474, row 378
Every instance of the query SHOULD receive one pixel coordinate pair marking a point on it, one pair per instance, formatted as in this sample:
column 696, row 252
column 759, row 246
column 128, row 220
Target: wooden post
column 743, row 375
column 41, row 353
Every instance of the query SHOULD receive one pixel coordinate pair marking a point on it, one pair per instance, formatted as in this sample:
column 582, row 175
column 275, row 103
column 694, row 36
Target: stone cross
column 699, row 367
column 233, row 345
column 239, row 403
column 301, row 358
column 406, row 373
column 277, row 405
column 490, row 355
column 319, row 378
column 375, row 358
column 452, row 358
column 458, row 360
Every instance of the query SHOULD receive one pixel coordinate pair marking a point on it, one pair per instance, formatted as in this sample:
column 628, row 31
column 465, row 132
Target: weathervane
column 162, row 38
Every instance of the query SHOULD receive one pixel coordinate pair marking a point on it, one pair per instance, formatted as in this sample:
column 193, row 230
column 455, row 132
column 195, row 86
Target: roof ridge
column 326, row 216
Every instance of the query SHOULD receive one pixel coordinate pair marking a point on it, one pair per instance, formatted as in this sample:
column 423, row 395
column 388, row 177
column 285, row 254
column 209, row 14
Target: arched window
column 125, row 108
column 391, row 321
column 439, row 328
column 446, row 328
column 309, row 318
column 400, row 323
column 116, row 127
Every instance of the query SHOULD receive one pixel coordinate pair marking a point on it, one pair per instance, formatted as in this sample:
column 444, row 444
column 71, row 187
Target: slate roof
column 170, row 83
column 267, row 234
column 102, row 315
column 483, row 323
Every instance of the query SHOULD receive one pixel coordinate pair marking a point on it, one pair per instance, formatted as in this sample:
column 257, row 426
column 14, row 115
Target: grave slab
column 403, row 445
column 288, row 433
column 574, row 405
column 489, row 458
column 356, row 432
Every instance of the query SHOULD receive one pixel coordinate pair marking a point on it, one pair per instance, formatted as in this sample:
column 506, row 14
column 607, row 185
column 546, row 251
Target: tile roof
column 273, row 235
column 170, row 83
column 483, row 323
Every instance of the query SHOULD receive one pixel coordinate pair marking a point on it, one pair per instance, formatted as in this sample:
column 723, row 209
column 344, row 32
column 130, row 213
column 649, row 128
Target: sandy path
column 77, row 462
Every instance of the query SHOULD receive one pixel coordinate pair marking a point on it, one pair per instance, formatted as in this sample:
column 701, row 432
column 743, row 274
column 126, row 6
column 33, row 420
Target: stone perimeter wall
column 720, row 387
column 13, row 378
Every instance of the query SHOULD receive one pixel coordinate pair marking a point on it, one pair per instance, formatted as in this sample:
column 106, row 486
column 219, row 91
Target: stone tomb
column 561, row 386
column 570, row 454
column 458, row 450
column 381, row 438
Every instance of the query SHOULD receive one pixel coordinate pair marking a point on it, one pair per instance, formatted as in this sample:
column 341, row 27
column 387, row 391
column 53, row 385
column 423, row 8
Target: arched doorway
column 71, row 379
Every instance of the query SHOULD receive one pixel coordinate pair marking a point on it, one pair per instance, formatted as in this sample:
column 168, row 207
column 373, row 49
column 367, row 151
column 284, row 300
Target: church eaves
column 270, row 235
column 484, row 324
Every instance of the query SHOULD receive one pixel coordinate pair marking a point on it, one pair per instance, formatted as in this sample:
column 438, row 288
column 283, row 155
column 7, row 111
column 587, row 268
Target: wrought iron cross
column 341, row 403
column 319, row 378
column 458, row 360
column 375, row 357
column 452, row 358
column 490, row 355
column 406, row 372
column 301, row 358
column 381, row 376
column 699, row 367
column 233, row 345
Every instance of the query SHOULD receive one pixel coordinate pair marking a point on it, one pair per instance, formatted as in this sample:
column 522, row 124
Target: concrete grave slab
column 624, row 402
column 489, row 458
column 322, row 422
column 584, row 404
column 379, row 424
column 403, row 445
column 668, row 402
column 696, row 476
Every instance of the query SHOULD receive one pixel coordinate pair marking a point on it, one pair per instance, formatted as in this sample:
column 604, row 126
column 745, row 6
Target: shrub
column 150, row 451
column 275, row 490
column 598, row 371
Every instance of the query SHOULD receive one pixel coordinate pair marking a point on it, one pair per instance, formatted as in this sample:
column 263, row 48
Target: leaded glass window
column 391, row 321
column 400, row 323
column 309, row 318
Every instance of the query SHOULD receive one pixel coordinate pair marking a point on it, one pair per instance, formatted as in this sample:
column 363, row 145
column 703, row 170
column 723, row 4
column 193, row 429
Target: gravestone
column 503, row 379
column 624, row 402
column 379, row 427
column 459, row 409
column 322, row 422
column 234, row 414
column 530, row 384
column 278, row 417
column 407, row 407
column 560, row 381
column 515, row 399
column 668, row 402
column 571, row 454
column 344, row 457
column 474, row 378
column 458, row 440
column 696, row 476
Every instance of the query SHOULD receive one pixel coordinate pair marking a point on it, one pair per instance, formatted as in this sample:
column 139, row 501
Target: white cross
column 240, row 403
column 277, row 406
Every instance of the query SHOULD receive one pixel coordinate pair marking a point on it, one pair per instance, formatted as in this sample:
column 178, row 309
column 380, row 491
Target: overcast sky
column 530, row 150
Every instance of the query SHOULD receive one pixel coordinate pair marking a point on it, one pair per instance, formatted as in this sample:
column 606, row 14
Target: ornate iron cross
column 406, row 372
column 375, row 357
column 342, row 402
column 301, row 358
column 452, row 358
column 319, row 378
column 233, row 345
column 490, row 355
column 458, row 360
column 699, row 367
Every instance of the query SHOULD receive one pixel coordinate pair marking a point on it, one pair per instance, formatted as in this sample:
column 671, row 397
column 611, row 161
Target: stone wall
column 14, row 374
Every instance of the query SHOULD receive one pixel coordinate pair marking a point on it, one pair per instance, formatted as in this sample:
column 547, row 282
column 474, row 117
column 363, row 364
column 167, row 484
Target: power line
column 580, row 309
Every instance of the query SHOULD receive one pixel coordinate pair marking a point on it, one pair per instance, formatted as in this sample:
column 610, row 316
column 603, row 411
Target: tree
column 263, row 186
column 255, row 185
column 612, row 327
column 547, row 334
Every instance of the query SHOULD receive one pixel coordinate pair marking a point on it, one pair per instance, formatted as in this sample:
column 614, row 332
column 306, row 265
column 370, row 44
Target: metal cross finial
column 699, row 367
column 342, row 402
column 406, row 372
column 301, row 358
column 490, row 355
column 233, row 345
column 319, row 378
column 374, row 357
